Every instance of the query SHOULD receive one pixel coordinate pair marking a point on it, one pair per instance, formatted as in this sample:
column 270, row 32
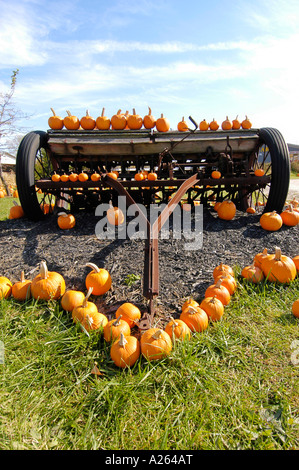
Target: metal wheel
column 32, row 164
column 272, row 157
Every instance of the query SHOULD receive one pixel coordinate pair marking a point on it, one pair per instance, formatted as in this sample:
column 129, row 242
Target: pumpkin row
column 134, row 121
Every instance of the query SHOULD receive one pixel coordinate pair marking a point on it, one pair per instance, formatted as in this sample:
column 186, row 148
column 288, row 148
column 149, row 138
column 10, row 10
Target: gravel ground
column 183, row 273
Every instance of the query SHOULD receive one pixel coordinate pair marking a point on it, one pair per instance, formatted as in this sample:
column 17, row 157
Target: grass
column 233, row 386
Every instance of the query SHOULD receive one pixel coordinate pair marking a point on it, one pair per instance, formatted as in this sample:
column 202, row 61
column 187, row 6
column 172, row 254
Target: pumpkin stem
column 54, row 114
column 103, row 111
column 218, row 283
column 118, row 112
column 157, row 334
column 84, row 304
column 22, row 276
column 162, row 116
column 87, row 113
column 64, row 214
column 174, row 322
column 277, row 253
column 191, row 310
column 117, row 321
column 122, row 340
column 93, row 266
column 43, row 270
column 134, row 112
column 15, row 203
column 149, row 111
column 69, row 113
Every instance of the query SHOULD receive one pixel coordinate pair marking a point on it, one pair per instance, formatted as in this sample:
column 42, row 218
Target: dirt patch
column 183, row 273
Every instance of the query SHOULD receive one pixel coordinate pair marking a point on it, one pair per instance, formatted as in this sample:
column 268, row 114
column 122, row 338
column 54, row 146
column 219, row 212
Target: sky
column 195, row 58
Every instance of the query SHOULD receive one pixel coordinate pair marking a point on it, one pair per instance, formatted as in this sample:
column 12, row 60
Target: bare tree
column 9, row 116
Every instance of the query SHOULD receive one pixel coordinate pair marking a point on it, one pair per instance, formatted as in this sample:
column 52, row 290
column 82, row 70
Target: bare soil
column 183, row 273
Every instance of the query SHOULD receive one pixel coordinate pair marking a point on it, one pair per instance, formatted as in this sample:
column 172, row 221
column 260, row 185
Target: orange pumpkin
column 149, row 121
column 271, row 221
column 279, row 268
column 71, row 299
column 71, row 122
column 295, row 308
column 95, row 176
column 65, row 221
column 246, row 124
column 5, row 287
column 221, row 270
column 155, row 344
column 83, row 176
column 177, row 329
column 115, row 216
column 16, row 211
column 103, row 122
column 216, row 174
column 134, row 121
column 219, row 291
column 182, row 125
column 258, row 258
column 21, row 289
column 214, row 125
column 87, row 122
column 296, row 261
column 47, row 284
column 55, row 177
column 162, row 124
column 226, row 124
column 118, row 121
column 125, row 351
column 152, row 176
column 139, row 176
column 98, row 279
column 229, row 282
column 73, row 177
column 115, row 327
column 226, row 210
column 259, row 172
column 289, row 216
column 213, row 307
column 204, row 125
column 55, row 122
column 252, row 273
column 129, row 312
column 195, row 317
column 236, row 124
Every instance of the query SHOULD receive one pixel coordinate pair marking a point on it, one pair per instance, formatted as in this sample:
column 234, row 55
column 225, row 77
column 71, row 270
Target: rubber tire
column 281, row 168
column 25, row 164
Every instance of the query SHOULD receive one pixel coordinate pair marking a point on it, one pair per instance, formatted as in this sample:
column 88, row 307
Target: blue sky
column 204, row 59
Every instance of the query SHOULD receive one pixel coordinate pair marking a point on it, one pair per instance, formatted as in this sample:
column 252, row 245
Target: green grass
column 5, row 204
column 233, row 386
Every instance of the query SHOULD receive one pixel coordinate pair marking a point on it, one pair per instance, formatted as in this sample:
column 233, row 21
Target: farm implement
column 184, row 164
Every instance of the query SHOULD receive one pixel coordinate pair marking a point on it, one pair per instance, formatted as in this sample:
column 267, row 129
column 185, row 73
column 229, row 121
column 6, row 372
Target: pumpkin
column 216, row 174
column 16, row 211
column 259, row 172
column 103, row 122
column 73, row 177
column 289, row 216
column 98, row 279
column 195, row 317
column 95, row 176
column 155, row 344
column 112, row 175
column 2, row 193
column 115, row 216
column 182, row 125
column 5, row 287
column 134, row 121
column 219, row 291
column 64, row 178
column 125, row 351
column 94, row 321
column 252, row 273
column 65, row 221
column 83, row 176
column 21, row 289
column 149, row 121
column 87, row 122
column 271, row 221
column 71, row 299
column 258, row 258
column 228, row 281
column 236, row 123
column 71, row 122
column 55, row 122
column 129, row 312
column 226, row 210
column 86, row 307
column 47, row 208
column 226, row 124
column 190, row 302
column 295, row 308
column 152, row 176
column 216, row 205
column 279, row 268
column 162, row 124
column 15, row 193
column 115, row 327
column 203, row 125
column 214, row 125
column 118, row 121
column 246, row 124
column 177, row 329
column 213, row 307
column 250, row 210
column 139, row 176
column 47, row 284
column 296, row 262
column 55, row 177
column 221, row 270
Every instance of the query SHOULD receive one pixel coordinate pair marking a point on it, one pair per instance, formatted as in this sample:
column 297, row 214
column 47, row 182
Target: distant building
column 294, row 152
